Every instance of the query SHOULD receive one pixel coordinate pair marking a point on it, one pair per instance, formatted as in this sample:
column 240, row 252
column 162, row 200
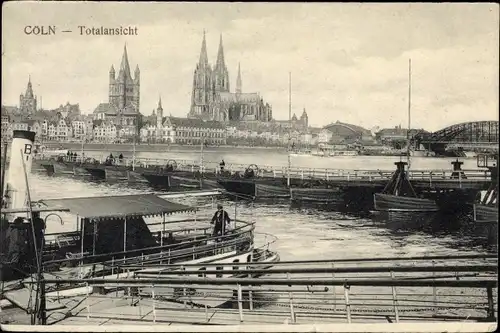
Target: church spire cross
column 203, row 53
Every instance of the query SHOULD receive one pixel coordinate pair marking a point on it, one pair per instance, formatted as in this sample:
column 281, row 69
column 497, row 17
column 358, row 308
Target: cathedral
column 211, row 96
column 27, row 102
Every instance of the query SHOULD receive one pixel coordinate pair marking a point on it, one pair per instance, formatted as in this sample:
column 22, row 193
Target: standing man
column 39, row 227
column 221, row 218
column 222, row 164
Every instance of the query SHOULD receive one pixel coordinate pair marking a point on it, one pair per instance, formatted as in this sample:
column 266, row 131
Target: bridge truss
column 471, row 132
column 471, row 135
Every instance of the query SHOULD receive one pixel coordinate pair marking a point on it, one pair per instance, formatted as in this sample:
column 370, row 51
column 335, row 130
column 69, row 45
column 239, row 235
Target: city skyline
column 348, row 72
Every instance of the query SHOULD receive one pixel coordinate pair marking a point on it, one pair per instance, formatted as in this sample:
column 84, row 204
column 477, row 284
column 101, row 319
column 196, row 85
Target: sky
column 348, row 62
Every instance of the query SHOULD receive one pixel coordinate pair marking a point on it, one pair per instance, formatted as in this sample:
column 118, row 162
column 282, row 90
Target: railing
column 471, row 175
column 166, row 253
column 443, row 289
column 486, row 259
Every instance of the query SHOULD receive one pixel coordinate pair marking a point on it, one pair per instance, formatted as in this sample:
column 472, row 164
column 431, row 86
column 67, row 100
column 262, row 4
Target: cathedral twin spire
column 203, row 53
column 220, row 65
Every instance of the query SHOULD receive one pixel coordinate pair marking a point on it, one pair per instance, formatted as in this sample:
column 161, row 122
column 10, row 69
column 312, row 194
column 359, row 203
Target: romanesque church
column 212, row 98
column 123, row 103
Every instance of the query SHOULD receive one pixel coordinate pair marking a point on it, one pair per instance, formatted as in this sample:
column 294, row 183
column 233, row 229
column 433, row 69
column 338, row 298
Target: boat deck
column 118, row 309
column 439, row 289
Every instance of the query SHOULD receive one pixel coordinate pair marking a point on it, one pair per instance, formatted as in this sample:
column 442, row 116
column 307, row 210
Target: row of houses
column 73, row 126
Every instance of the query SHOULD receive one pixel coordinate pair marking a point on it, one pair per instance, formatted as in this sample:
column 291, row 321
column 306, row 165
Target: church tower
column 221, row 74
column 304, row 119
column 238, row 81
column 124, row 91
column 159, row 114
column 27, row 102
column 202, row 84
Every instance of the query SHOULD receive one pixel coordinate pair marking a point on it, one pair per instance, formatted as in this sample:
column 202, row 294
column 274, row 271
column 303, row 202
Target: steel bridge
column 478, row 135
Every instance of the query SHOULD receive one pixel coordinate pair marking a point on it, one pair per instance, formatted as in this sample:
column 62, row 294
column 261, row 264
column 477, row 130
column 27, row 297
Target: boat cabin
column 112, row 230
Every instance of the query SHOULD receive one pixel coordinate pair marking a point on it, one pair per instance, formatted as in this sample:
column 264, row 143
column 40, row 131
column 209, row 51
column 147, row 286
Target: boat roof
column 121, row 206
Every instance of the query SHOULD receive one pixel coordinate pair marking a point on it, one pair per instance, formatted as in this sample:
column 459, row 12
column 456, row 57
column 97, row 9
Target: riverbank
column 144, row 147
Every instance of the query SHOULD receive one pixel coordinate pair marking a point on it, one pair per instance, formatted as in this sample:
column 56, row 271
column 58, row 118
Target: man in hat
column 221, row 219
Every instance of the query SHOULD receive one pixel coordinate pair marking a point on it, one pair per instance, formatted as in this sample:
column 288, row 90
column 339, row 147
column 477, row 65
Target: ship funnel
column 15, row 191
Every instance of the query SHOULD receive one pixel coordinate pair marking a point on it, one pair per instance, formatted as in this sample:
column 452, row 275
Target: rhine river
column 302, row 233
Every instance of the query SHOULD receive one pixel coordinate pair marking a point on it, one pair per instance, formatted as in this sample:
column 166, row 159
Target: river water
column 306, row 232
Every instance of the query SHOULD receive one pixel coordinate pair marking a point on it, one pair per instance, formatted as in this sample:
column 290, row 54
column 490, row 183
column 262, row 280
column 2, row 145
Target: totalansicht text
column 106, row 31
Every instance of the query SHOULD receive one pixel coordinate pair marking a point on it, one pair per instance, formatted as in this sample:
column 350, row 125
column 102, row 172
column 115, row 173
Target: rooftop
column 352, row 127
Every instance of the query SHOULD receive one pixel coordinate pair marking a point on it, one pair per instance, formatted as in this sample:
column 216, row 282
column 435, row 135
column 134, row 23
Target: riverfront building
column 190, row 131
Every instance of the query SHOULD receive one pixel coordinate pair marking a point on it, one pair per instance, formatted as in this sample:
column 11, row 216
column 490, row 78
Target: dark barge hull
column 96, row 172
column 116, row 174
column 58, row 168
column 191, row 182
column 271, row 191
column 322, row 195
column 239, row 186
column 157, row 181
column 393, row 203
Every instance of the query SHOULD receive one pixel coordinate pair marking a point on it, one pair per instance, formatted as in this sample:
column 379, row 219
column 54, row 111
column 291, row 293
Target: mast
column 38, row 255
column 4, row 165
column 409, row 115
column 201, row 153
column 133, row 144
column 81, row 153
column 133, row 155
column 289, row 125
